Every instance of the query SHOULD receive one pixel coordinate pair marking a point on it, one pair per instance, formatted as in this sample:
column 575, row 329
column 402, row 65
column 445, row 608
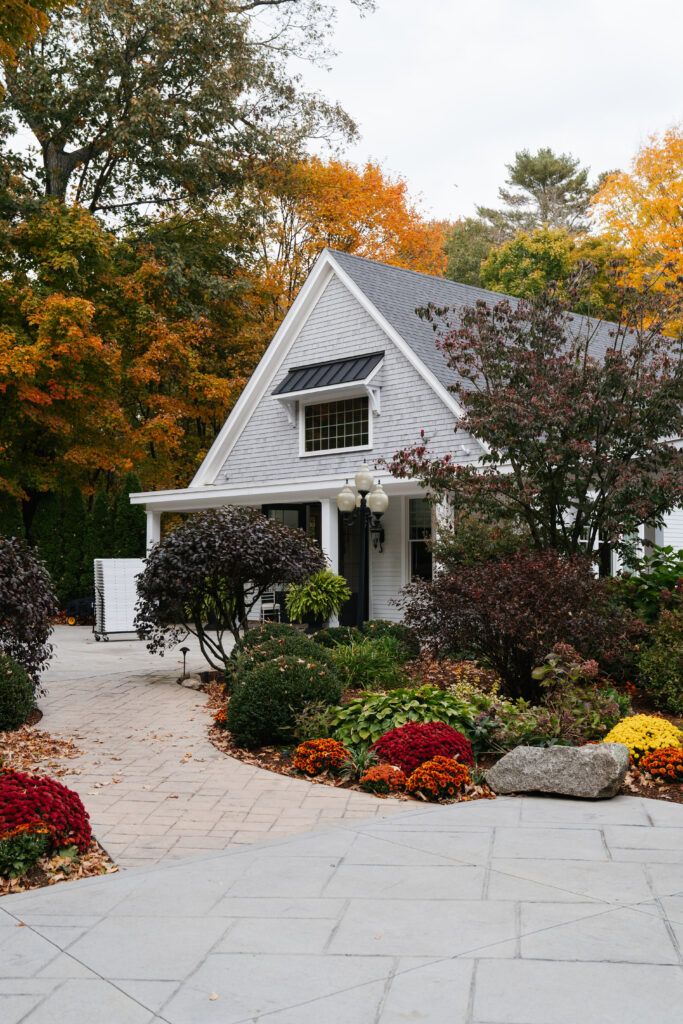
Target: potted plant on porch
column 316, row 600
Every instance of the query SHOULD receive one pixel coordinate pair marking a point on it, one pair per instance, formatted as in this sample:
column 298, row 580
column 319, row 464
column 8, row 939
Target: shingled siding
column 672, row 532
column 338, row 328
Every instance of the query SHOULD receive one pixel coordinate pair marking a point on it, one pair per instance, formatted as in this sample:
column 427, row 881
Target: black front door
column 349, row 568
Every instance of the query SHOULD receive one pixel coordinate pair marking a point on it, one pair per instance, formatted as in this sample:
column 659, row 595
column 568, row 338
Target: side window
column 419, row 533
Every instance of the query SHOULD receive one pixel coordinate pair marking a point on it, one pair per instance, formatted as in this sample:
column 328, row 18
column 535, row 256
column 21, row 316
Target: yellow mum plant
column 643, row 733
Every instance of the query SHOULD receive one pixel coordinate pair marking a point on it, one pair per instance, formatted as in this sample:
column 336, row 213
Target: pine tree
column 74, row 541
column 11, row 519
column 129, row 521
column 46, row 536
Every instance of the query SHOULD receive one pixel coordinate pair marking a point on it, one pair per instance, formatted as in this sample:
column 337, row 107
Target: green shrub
column 370, row 715
column 565, row 717
column 266, row 631
column 319, row 597
column 408, row 644
column 654, row 585
column 312, row 722
column 268, row 696
column 272, row 640
column 21, row 848
column 16, row 694
column 661, row 664
column 369, row 664
column 336, row 636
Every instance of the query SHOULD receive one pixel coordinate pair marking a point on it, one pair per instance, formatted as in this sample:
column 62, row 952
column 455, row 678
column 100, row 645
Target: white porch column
column 153, row 528
column 329, row 536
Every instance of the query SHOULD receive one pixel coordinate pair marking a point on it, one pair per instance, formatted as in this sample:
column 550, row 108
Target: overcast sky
column 445, row 91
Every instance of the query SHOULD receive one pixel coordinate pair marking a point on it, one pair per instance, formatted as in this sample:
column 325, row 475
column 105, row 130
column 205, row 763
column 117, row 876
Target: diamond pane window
column 331, row 426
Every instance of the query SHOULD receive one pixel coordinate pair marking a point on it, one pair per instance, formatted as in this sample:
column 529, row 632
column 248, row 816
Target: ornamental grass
column 643, row 734
column 442, row 778
column 665, row 764
column 383, row 779
column 317, row 756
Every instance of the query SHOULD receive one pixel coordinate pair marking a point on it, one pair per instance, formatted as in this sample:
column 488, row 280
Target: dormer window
column 336, row 426
column 332, row 403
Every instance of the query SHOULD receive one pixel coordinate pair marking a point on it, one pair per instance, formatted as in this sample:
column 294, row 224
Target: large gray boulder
column 594, row 771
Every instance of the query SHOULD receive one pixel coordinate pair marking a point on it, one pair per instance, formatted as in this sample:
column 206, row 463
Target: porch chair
column 270, row 608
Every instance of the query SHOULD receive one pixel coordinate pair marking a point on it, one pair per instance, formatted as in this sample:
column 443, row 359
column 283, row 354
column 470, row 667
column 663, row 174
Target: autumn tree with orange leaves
column 332, row 203
column 641, row 211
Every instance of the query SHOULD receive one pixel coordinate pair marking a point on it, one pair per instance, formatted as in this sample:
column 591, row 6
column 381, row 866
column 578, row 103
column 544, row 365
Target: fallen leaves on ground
column 37, row 752
column 55, row 869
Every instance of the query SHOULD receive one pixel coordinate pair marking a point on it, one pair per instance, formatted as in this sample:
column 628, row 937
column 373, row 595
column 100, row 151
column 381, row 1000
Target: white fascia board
column 262, row 376
column 194, row 499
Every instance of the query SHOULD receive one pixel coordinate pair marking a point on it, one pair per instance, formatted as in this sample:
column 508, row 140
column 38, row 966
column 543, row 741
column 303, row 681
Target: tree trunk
column 59, row 166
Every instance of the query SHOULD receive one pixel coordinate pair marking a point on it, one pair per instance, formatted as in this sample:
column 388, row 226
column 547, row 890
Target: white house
column 352, row 375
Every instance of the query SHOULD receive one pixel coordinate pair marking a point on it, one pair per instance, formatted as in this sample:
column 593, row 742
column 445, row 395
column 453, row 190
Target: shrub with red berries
column 410, row 745
column 29, row 798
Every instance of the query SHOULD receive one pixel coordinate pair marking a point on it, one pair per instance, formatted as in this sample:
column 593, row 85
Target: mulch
column 281, row 760
column 55, row 869
column 36, row 752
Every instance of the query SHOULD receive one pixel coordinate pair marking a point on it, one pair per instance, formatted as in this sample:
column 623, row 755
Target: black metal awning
column 326, row 375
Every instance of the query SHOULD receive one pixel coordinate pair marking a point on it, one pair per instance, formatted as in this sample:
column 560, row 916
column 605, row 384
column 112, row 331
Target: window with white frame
column 419, row 535
column 336, row 426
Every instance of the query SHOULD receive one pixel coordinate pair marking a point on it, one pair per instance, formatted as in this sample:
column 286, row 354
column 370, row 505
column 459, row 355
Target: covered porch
column 392, row 561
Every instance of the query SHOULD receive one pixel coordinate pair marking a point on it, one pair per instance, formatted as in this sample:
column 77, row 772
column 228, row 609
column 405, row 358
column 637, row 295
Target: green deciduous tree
column 527, row 264
column 467, row 245
column 159, row 101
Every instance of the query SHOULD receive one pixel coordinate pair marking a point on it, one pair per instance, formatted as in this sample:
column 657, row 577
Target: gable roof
column 390, row 295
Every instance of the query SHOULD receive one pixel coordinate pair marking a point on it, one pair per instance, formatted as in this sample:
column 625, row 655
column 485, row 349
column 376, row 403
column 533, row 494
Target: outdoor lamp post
column 370, row 505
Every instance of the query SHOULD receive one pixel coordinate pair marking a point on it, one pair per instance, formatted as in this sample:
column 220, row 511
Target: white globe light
column 363, row 479
column 378, row 502
column 346, row 500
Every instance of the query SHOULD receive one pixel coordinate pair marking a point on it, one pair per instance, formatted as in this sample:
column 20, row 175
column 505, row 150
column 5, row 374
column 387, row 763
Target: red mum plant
column 665, row 764
column 317, row 756
column 442, row 778
column 410, row 745
column 25, row 799
column 383, row 779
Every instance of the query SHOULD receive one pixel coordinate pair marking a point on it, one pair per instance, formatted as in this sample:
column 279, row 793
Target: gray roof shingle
column 397, row 293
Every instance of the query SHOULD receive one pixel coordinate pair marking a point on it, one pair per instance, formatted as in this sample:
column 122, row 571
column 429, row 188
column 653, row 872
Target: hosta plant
column 317, row 756
column 643, row 734
column 409, row 745
column 383, row 780
column 665, row 764
column 362, row 721
column 442, row 778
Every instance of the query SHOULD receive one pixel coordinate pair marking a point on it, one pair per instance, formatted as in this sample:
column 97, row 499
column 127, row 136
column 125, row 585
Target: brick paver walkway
column 155, row 788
